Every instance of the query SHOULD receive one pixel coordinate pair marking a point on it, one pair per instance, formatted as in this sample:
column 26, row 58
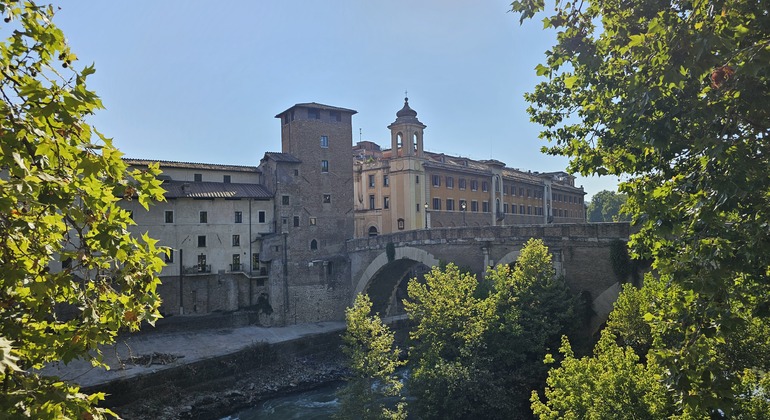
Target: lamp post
column 426, row 215
column 462, row 207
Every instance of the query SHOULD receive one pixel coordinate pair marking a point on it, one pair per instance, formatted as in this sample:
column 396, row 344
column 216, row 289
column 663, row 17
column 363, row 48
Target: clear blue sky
column 201, row 81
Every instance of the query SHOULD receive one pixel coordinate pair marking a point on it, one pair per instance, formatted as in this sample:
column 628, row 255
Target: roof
column 319, row 106
column 191, row 165
column 281, row 157
column 182, row 189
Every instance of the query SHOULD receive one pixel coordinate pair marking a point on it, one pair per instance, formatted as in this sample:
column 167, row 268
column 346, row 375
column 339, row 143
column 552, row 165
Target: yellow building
column 407, row 188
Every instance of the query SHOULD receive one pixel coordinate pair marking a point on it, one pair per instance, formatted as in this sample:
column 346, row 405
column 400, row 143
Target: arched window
column 401, row 223
column 313, row 244
column 373, row 231
column 399, row 140
column 414, row 141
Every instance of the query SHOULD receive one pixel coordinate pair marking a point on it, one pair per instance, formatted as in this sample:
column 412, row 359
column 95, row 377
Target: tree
column 479, row 355
column 64, row 241
column 605, row 206
column 373, row 360
column 447, row 377
column 674, row 98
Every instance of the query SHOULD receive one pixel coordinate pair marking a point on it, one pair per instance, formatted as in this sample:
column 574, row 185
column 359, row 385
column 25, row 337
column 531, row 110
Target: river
column 316, row 404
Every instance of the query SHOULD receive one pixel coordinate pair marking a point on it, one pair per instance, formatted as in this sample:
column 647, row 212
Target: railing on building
column 198, row 269
column 236, row 267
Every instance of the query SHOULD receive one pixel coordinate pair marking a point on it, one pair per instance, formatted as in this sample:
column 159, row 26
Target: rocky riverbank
column 224, row 396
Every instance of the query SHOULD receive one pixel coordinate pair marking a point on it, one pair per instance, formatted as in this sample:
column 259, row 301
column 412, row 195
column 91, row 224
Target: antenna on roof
column 359, row 134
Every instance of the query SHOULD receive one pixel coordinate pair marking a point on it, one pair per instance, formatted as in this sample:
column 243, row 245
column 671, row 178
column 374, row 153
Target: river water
column 317, row 404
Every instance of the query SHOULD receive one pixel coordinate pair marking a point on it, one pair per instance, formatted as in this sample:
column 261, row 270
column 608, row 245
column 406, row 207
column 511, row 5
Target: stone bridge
column 581, row 253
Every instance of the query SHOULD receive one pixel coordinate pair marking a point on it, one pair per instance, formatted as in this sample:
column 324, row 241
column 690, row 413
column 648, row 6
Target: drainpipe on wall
column 181, row 282
column 251, row 259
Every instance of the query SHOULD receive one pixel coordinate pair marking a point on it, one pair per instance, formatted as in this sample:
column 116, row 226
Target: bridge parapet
column 573, row 232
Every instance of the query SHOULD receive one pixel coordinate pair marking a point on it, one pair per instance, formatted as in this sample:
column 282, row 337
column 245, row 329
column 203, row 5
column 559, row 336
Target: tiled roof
column 191, row 165
column 181, row 189
column 282, row 157
column 319, row 106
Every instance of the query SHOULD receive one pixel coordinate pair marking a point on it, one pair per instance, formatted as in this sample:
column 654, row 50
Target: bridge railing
column 572, row 231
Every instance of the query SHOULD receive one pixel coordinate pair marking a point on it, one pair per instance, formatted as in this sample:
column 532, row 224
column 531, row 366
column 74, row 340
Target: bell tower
column 406, row 133
column 407, row 172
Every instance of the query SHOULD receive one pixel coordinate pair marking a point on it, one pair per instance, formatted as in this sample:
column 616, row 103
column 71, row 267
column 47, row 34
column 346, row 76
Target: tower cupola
column 406, row 133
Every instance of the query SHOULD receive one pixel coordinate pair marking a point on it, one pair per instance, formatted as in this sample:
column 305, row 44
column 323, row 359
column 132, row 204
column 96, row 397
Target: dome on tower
column 406, row 111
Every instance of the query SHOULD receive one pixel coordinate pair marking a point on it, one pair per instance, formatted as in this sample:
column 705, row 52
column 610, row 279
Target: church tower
column 406, row 170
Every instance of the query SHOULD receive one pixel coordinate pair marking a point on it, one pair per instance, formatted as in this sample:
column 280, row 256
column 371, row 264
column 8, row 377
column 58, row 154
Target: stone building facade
column 406, row 187
column 273, row 237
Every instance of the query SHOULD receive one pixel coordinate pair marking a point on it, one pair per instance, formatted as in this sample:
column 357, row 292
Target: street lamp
column 462, row 207
column 426, row 215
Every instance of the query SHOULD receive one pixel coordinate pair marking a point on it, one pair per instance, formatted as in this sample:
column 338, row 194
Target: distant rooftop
column 191, row 165
column 182, row 189
column 282, row 157
column 318, row 106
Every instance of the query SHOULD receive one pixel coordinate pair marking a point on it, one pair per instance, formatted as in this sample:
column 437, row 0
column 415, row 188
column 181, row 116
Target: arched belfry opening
column 406, row 133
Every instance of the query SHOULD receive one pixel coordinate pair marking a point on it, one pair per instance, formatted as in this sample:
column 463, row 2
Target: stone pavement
column 181, row 346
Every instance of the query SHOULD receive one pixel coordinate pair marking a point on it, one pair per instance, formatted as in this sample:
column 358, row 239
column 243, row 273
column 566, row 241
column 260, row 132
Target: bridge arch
column 402, row 254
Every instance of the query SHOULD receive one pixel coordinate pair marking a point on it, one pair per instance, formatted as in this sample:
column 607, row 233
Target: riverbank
column 182, row 371
column 177, row 371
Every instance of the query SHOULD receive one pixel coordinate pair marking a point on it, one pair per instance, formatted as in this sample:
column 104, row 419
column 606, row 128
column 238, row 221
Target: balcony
column 198, row 269
column 236, row 267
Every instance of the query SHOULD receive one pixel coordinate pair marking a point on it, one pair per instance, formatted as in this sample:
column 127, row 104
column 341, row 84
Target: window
column 236, row 266
column 314, row 114
column 436, row 204
column 461, row 183
column 529, row 192
column 417, row 179
column 169, row 216
column 474, row 185
column 371, row 181
column 450, row 182
column 385, row 180
column 170, row 256
column 373, row 231
column 260, row 216
column 463, row 205
column 197, row 177
column 521, row 191
column 474, row 206
column 314, row 244
column 484, row 186
column 285, row 200
column 255, row 261
column 505, row 190
column 312, row 221
column 513, row 208
column 529, row 209
column 505, row 208
column 521, row 209
column 201, row 241
column 239, row 217
column 436, row 180
column 324, row 166
column 202, row 263
column 327, row 199
column 450, row 204
column 296, row 221
column 386, row 202
column 296, row 172
column 226, row 179
column 485, row 206
column 335, row 115
column 371, row 202
column 324, row 141
column 400, row 224
column 236, row 240
column 204, row 217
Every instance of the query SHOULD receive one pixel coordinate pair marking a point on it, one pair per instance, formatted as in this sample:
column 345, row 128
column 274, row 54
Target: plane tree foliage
column 673, row 97
column 64, row 243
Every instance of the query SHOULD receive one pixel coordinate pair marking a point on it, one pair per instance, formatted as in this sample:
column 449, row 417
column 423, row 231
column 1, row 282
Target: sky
column 202, row 81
